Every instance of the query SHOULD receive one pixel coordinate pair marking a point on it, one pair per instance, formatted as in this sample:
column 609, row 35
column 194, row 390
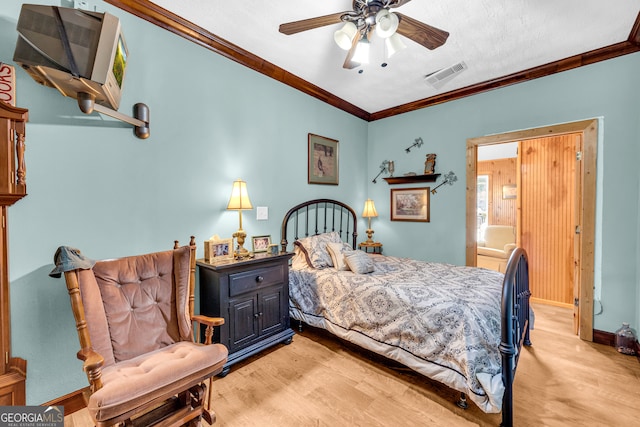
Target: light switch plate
column 262, row 213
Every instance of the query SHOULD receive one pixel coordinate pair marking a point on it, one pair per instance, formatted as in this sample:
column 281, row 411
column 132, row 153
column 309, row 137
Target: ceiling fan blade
column 348, row 63
column 426, row 35
column 398, row 3
column 311, row 23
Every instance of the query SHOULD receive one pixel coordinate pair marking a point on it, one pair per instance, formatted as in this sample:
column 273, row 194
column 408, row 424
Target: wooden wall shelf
column 411, row 179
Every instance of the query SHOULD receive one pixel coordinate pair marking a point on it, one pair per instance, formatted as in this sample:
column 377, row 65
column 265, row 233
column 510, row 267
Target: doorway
column 583, row 215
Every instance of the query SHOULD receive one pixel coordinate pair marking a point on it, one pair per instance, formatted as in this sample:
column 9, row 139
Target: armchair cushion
column 127, row 384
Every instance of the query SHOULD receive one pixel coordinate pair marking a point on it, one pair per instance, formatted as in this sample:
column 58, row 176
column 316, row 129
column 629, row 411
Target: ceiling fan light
column 344, row 36
column 361, row 55
column 386, row 23
column 394, row 44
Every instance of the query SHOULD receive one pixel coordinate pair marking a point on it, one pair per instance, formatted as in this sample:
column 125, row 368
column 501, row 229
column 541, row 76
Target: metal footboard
column 515, row 325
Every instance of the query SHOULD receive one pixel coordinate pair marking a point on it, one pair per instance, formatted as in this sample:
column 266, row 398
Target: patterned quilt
column 441, row 320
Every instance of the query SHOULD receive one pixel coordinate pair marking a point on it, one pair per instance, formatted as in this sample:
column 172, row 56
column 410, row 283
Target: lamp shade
column 344, row 36
column 386, row 23
column 361, row 55
column 394, row 44
column 369, row 209
column 239, row 197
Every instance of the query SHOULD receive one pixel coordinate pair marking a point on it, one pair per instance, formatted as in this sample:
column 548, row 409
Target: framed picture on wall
column 322, row 161
column 509, row 191
column 410, row 204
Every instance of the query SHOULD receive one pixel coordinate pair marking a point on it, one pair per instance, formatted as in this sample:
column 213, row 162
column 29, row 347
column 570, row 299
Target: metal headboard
column 322, row 216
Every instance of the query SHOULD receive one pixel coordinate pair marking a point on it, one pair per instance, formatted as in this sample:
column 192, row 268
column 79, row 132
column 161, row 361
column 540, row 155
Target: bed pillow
column 299, row 260
column 337, row 251
column 359, row 262
column 315, row 248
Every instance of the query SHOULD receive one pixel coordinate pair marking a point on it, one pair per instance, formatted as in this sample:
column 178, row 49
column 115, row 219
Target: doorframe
column 589, row 130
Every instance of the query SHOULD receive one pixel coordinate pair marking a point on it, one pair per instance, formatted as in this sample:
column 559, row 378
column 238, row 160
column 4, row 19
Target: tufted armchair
column 495, row 248
column 134, row 318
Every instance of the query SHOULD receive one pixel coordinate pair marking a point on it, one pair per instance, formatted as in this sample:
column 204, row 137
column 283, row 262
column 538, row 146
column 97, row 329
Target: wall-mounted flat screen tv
column 73, row 50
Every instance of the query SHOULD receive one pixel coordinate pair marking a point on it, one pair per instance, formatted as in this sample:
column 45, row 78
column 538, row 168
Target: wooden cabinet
column 253, row 297
column 13, row 187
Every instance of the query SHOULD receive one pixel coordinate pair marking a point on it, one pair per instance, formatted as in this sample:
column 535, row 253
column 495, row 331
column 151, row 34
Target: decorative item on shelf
column 391, row 168
column 260, row 243
column 449, row 178
column 383, row 169
column 239, row 201
column 418, row 144
column 217, row 249
column 430, row 164
column 369, row 212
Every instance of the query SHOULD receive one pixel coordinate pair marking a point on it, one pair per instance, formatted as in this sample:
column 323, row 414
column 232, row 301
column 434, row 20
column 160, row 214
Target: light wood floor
column 321, row 381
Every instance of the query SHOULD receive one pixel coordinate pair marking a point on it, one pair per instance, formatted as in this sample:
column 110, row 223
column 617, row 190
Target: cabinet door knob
column 259, row 279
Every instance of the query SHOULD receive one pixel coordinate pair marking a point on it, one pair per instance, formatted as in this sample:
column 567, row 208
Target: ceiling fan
column 368, row 16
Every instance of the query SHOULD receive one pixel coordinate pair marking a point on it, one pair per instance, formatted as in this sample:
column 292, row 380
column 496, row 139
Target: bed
column 461, row 326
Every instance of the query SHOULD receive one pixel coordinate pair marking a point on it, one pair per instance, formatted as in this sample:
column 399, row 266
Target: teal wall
column 608, row 91
column 93, row 185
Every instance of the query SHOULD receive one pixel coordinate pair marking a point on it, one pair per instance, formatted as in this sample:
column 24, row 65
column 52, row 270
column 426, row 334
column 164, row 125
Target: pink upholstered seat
column 138, row 344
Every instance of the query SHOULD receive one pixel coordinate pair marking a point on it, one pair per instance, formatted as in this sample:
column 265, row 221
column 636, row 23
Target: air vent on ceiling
column 438, row 79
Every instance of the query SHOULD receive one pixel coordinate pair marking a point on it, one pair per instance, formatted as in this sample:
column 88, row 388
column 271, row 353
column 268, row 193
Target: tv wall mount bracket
column 140, row 119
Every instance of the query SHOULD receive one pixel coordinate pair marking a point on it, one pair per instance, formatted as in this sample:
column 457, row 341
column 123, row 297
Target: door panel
column 548, row 180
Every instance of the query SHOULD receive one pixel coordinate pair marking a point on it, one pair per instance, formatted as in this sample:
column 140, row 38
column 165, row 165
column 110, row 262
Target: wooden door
column 548, row 215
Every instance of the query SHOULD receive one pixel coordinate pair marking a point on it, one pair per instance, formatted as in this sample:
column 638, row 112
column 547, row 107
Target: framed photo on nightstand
column 218, row 250
column 260, row 243
column 273, row 249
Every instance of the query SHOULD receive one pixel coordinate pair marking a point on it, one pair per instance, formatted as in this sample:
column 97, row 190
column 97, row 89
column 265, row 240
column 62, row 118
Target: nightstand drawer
column 240, row 283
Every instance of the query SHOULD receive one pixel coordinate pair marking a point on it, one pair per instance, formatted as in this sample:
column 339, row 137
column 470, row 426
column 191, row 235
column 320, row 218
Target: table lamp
column 369, row 212
column 239, row 201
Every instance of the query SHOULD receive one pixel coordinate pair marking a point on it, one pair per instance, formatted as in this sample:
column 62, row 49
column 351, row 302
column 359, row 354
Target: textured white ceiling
column 493, row 37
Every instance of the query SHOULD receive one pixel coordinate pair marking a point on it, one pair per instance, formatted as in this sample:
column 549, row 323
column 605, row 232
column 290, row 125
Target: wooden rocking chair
column 134, row 318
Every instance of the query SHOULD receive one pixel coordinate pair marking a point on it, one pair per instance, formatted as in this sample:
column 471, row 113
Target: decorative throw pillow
column 359, row 262
column 338, row 252
column 299, row 260
column 315, row 248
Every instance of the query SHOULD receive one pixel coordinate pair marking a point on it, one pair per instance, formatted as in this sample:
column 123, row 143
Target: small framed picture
column 260, row 243
column 273, row 249
column 410, row 204
column 218, row 250
column 509, row 191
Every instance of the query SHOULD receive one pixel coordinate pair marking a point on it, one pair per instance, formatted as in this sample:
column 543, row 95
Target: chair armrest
column 509, row 247
column 210, row 322
column 93, row 362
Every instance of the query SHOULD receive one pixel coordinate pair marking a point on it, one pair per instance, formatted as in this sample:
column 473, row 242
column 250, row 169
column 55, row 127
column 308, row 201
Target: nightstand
column 253, row 297
column 374, row 248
